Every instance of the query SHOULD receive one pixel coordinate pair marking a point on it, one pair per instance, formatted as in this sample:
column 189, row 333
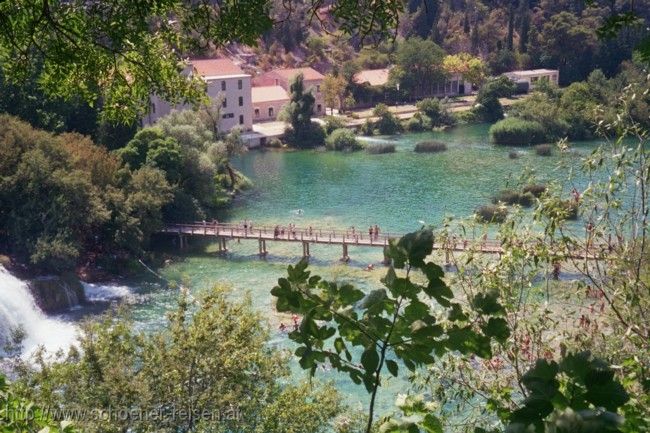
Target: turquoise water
column 338, row 190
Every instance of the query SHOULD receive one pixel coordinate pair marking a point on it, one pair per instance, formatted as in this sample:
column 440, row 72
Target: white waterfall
column 18, row 310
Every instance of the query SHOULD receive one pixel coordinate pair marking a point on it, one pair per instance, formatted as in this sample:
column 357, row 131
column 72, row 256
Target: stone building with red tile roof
column 268, row 102
column 283, row 77
column 225, row 82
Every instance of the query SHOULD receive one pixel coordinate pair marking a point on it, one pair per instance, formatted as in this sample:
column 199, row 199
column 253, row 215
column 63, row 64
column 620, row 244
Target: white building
column 225, row 81
column 532, row 77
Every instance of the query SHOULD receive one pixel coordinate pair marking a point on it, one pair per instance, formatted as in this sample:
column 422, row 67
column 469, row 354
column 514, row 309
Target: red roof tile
column 374, row 77
column 216, row 67
column 290, row 73
column 268, row 94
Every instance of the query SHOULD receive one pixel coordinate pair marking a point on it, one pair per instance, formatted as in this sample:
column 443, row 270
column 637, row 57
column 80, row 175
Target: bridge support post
column 346, row 257
column 447, row 261
column 182, row 241
column 305, row 249
column 262, row 247
column 387, row 260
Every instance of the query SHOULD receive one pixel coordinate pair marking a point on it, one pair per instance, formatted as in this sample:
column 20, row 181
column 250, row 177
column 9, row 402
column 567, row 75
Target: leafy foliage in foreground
column 212, row 359
column 578, row 394
column 18, row 415
column 359, row 334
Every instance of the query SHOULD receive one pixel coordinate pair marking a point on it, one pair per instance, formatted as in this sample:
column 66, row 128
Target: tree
column 212, row 359
column 569, row 44
column 139, row 51
column 302, row 132
column 334, row 89
column 63, row 196
column 362, row 334
column 418, row 66
column 387, row 123
column 21, row 415
column 469, row 67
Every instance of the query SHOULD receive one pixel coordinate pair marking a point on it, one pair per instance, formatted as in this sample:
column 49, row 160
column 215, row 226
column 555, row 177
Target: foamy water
column 106, row 292
column 18, row 310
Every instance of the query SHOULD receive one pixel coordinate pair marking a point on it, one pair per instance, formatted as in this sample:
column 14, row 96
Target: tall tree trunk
column 511, row 25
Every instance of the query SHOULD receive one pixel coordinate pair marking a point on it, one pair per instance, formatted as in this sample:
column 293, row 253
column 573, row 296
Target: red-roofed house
column 378, row 79
column 226, row 81
column 267, row 102
column 283, row 77
column 374, row 77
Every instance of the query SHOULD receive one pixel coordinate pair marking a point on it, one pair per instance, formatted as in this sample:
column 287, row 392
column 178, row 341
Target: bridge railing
column 295, row 233
column 281, row 232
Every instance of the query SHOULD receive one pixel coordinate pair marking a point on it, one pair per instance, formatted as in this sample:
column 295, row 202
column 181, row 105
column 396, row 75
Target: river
column 397, row 191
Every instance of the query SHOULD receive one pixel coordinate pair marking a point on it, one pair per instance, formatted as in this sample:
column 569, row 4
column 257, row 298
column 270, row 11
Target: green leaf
column 370, row 359
column 373, row 298
column 431, row 424
column 417, row 246
column 487, row 303
column 392, row 367
column 497, row 327
column 348, row 295
column 456, row 313
column 604, row 391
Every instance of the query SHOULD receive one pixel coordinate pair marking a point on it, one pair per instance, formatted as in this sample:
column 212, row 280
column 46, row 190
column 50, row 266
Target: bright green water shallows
column 341, row 190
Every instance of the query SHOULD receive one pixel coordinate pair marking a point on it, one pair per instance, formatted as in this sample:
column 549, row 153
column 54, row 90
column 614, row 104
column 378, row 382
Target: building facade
column 455, row 85
column 268, row 101
column 530, row 78
column 312, row 80
column 227, row 83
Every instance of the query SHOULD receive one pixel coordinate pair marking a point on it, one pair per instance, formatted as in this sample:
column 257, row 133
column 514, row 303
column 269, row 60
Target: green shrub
column 332, row 123
column 436, row 112
column 418, row 123
column 544, row 149
column 517, row 132
column 387, row 123
column 367, row 128
column 342, row 139
column 491, row 214
column 430, row 146
column 561, row 209
column 274, row 143
column 535, row 189
column 511, row 197
column 465, row 117
column 380, row 148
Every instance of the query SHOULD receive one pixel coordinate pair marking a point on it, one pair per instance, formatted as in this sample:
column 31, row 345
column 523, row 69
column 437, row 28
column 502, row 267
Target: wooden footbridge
column 307, row 236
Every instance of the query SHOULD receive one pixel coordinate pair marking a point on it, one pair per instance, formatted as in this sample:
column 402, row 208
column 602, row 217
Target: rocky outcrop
column 57, row 293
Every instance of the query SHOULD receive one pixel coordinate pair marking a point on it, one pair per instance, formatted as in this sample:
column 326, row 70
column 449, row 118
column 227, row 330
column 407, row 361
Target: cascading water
column 18, row 311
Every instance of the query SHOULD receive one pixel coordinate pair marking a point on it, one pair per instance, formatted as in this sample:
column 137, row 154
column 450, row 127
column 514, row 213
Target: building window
column 270, row 111
column 319, row 108
column 224, row 103
column 454, row 86
column 257, row 112
column 533, row 79
column 241, row 119
column 241, row 101
column 240, row 84
column 228, row 116
column 223, row 86
column 153, row 108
